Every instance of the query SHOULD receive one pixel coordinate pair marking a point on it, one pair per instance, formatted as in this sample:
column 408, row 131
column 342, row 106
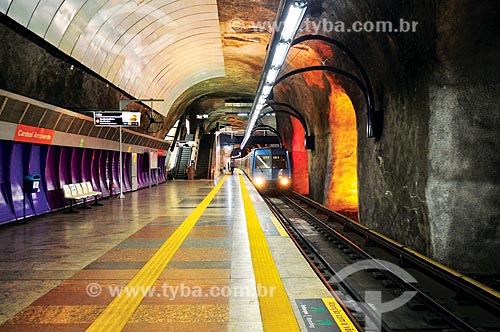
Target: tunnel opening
column 342, row 193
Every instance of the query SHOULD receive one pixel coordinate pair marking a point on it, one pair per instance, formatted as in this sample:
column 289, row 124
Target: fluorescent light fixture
column 280, row 54
column 292, row 22
column 238, row 105
column 290, row 15
column 242, row 114
column 272, row 75
column 266, row 90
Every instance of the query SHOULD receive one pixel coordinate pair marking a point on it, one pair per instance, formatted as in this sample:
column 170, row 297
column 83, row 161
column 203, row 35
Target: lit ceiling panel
column 151, row 49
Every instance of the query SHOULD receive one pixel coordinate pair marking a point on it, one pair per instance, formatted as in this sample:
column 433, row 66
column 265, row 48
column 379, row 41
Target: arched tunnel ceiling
column 150, row 49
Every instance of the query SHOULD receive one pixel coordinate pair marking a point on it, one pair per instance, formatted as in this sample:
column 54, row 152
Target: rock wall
column 32, row 71
column 431, row 181
column 40, row 73
column 463, row 189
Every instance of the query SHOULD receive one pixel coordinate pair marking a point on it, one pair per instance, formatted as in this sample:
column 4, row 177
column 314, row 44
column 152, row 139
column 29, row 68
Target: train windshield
column 279, row 162
column 263, row 161
column 266, row 161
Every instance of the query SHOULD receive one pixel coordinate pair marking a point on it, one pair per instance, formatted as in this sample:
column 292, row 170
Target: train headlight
column 259, row 181
column 284, row 181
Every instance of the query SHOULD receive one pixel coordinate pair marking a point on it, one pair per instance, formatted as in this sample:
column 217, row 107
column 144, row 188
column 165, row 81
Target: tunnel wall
column 431, row 180
column 39, row 74
column 463, row 189
column 46, row 74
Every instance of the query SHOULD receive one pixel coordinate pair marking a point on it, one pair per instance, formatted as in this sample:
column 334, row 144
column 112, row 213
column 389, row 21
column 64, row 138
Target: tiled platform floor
column 51, row 268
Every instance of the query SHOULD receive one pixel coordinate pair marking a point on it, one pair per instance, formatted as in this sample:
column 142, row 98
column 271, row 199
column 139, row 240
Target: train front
column 271, row 170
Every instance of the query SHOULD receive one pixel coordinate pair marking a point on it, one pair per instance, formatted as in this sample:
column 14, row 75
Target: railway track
column 383, row 285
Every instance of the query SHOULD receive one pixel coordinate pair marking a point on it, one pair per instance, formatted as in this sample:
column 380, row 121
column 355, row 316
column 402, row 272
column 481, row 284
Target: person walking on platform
column 190, row 172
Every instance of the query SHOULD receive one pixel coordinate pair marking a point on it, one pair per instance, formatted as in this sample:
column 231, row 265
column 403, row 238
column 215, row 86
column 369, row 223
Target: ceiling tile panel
column 166, row 59
column 4, row 5
column 88, row 37
column 43, row 15
column 62, row 19
column 172, row 60
column 80, row 22
column 22, row 10
column 151, row 49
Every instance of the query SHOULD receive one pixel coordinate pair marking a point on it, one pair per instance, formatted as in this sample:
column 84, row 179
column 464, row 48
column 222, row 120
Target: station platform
column 181, row 256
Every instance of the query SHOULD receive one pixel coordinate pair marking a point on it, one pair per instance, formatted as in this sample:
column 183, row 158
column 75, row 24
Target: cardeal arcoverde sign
column 31, row 134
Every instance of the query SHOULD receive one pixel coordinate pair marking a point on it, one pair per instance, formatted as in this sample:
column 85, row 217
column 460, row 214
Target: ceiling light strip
column 289, row 18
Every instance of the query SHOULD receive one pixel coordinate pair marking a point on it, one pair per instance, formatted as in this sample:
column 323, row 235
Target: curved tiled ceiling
column 150, row 49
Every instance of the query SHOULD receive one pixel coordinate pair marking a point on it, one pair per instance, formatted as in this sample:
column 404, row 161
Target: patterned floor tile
column 128, row 255
column 81, row 292
column 190, row 313
column 55, row 314
column 176, row 327
column 105, row 275
column 186, row 274
column 115, row 266
column 132, row 243
column 202, row 254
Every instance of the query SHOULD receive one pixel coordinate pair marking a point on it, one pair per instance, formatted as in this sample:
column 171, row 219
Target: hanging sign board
column 115, row 119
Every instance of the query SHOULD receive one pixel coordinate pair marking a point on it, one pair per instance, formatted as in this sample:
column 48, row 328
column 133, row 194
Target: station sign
column 116, row 119
column 30, row 134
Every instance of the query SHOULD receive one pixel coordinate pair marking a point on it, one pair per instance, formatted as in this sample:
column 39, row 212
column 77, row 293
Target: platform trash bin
column 31, row 183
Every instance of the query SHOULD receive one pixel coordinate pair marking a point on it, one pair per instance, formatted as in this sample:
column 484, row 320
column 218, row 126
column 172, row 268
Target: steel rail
column 460, row 282
column 448, row 316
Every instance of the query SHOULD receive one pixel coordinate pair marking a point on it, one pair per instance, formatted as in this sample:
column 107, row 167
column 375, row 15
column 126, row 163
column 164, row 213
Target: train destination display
column 125, row 119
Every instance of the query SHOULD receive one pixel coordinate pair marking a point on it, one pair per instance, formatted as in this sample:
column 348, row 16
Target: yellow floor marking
column 275, row 308
column 278, row 226
column 118, row 312
column 339, row 315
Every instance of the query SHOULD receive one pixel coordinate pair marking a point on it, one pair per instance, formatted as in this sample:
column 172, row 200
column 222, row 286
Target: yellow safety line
column 118, row 312
column 275, row 308
column 278, row 226
column 340, row 317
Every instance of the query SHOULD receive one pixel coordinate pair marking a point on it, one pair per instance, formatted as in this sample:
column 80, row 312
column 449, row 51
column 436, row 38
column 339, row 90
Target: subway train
column 268, row 168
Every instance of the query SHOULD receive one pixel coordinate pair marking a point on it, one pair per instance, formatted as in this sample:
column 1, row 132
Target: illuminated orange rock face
column 343, row 193
column 300, row 170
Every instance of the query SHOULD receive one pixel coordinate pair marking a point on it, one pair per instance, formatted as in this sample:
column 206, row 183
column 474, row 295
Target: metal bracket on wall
column 373, row 127
column 309, row 138
column 271, row 129
column 292, row 111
